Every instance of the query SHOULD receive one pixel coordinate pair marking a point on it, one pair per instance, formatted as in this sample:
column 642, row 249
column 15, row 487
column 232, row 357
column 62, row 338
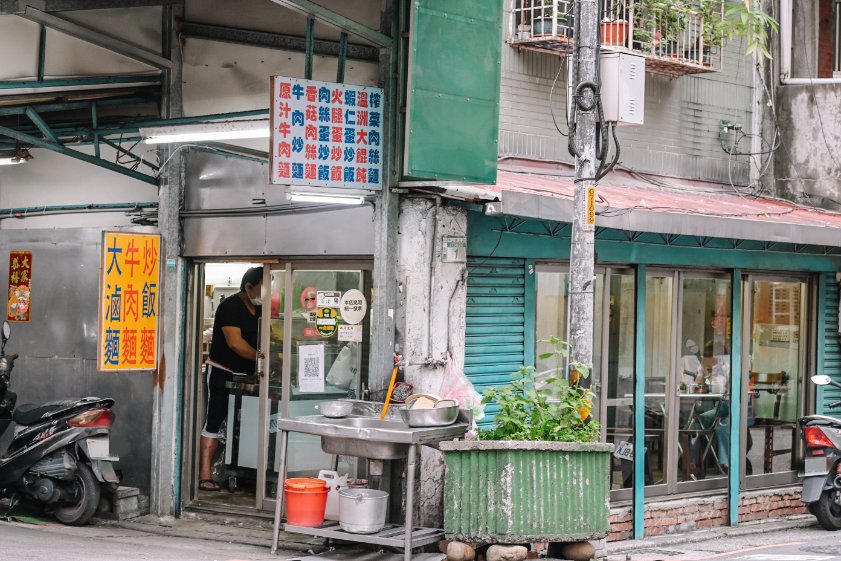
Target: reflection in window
column 658, row 359
column 774, row 382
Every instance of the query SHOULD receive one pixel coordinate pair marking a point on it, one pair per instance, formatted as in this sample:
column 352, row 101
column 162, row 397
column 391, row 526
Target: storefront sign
column 326, row 321
column 353, row 307
column 326, row 134
column 129, row 301
column 20, row 286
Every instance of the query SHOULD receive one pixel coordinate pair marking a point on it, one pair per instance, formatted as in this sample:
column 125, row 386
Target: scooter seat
column 31, row 413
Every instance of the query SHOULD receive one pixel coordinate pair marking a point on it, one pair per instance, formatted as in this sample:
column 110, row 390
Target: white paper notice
column 350, row 333
column 311, row 368
column 328, row 299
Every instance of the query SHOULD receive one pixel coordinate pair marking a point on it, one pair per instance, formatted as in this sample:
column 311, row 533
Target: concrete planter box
column 526, row 492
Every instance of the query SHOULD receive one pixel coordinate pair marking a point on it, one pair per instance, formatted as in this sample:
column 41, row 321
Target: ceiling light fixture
column 207, row 132
column 325, row 199
column 20, row 156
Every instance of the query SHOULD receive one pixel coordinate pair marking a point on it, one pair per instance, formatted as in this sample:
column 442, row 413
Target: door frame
column 288, row 267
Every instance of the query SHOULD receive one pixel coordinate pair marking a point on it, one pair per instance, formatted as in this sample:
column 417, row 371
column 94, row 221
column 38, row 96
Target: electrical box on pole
column 623, row 88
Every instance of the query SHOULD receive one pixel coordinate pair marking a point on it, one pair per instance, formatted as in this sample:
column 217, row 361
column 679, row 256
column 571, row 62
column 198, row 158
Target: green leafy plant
column 545, row 408
column 749, row 21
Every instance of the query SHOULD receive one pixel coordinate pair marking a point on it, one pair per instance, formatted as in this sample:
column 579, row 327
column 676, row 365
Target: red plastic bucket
column 306, row 501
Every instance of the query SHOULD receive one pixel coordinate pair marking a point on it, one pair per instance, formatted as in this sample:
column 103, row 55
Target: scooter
column 822, row 466
column 59, row 453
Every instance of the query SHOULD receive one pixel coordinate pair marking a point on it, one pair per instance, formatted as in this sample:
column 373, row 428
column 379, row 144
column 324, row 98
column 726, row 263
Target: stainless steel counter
column 371, row 429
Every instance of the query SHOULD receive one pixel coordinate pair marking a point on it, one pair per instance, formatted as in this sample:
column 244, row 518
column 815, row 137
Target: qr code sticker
column 310, row 367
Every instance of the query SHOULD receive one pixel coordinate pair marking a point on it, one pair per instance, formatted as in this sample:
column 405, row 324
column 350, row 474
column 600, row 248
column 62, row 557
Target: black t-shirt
column 234, row 312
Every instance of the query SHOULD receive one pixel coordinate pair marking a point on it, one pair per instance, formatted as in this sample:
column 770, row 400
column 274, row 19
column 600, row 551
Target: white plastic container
column 362, row 511
column 335, row 483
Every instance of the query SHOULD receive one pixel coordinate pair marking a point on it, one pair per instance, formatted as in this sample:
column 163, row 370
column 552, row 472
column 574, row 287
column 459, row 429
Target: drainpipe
column 430, row 362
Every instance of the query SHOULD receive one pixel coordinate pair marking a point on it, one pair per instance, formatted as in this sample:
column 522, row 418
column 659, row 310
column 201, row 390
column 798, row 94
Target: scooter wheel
column 87, row 492
column 232, row 484
column 828, row 510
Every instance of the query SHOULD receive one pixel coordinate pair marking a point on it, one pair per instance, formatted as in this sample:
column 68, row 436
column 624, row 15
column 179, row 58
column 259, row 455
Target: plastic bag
column 343, row 372
column 455, row 385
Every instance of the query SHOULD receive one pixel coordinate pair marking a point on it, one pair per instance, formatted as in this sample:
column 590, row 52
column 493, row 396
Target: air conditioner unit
column 623, row 88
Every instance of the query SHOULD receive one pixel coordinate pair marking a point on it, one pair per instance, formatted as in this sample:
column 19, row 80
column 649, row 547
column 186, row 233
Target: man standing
column 233, row 350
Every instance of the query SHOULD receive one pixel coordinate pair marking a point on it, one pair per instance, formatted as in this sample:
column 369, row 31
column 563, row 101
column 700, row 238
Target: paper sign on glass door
column 311, row 368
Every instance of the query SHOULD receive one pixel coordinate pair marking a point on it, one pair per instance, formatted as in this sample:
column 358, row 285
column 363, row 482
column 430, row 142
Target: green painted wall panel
column 452, row 121
column 829, row 346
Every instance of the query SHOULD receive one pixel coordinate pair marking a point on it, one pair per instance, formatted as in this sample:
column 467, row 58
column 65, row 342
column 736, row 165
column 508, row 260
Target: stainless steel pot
column 335, row 409
column 362, row 511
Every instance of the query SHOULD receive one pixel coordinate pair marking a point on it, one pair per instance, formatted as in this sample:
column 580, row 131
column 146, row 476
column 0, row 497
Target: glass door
column 775, row 361
column 702, row 380
column 317, row 336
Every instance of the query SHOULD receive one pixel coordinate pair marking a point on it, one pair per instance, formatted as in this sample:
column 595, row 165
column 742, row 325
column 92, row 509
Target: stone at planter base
column 457, row 551
column 573, row 551
column 507, row 553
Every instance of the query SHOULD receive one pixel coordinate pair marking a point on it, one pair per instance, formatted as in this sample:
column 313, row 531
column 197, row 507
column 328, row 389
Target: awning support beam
column 279, row 41
column 343, row 23
column 86, row 81
column 98, row 38
column 16, row 7
column 42, row 126
column 61, row 149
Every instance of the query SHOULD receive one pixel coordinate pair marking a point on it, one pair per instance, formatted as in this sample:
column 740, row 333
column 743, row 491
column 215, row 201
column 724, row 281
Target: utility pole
column 584, row 83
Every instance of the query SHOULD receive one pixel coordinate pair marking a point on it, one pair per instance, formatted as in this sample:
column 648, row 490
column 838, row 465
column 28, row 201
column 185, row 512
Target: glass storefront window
column 775, row 368
column 658, row 360
column 703, row 379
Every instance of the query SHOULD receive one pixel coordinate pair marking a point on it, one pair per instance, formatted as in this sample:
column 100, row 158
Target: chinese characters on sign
column 20, row 286
column 326, row 134
column 129, row 301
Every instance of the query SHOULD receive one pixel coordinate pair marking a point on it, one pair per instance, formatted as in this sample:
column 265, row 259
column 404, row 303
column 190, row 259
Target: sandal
column 209, row 485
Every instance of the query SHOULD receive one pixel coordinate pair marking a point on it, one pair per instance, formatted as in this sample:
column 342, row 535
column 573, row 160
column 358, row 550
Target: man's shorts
column 217, row 400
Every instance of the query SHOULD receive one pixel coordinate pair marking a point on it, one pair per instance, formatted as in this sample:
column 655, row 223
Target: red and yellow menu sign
column 20, row 286
column 129, row 301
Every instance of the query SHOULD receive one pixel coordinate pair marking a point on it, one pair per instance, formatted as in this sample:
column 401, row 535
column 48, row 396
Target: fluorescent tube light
column 325, row 199
column 207, row 132
column 19, row 157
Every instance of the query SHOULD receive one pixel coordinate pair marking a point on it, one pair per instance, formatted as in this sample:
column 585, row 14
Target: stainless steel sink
column 369, row 423
column 364, row 435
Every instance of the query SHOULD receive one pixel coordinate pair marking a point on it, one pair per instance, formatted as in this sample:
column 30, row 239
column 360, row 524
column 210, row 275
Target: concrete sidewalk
column 257, row 531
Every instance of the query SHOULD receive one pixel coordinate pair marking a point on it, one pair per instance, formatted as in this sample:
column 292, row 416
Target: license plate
column 99, row 448
column 815, row 466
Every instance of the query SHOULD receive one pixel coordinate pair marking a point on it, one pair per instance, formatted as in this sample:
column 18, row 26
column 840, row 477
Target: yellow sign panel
column 591, row 206
column 129, row 301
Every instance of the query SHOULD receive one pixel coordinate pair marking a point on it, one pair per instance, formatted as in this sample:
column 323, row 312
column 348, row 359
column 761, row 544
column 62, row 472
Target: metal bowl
column 436, row 417
column 335, row 409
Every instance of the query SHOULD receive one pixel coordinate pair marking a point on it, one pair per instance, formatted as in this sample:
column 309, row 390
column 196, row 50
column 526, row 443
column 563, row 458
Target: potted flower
column 539, row 475
column 614, row 26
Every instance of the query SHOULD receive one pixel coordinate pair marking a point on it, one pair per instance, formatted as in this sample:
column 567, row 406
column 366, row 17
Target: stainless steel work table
column 361, row 436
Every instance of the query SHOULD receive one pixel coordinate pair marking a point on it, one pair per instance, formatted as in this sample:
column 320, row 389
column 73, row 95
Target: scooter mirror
column 821, row 379
column 7, row 330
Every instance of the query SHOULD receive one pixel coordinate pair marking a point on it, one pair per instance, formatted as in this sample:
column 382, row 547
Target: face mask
column 257, row 301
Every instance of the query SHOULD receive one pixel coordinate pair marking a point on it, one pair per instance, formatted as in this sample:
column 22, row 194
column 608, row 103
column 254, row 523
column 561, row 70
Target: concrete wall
column 429, row 319
column 58, row 346
column 810, row 161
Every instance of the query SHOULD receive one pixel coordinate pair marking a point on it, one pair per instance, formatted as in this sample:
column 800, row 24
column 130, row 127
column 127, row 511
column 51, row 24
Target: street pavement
column 796, row 540
column 796, row 544
column 25, row 542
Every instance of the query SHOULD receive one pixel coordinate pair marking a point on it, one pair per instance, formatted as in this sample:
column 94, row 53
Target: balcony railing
column 676, row 38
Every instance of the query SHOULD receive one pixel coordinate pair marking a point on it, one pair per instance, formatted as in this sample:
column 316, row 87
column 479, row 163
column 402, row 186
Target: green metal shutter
column 829, row 346
column 452, row 110
column 495, row 344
